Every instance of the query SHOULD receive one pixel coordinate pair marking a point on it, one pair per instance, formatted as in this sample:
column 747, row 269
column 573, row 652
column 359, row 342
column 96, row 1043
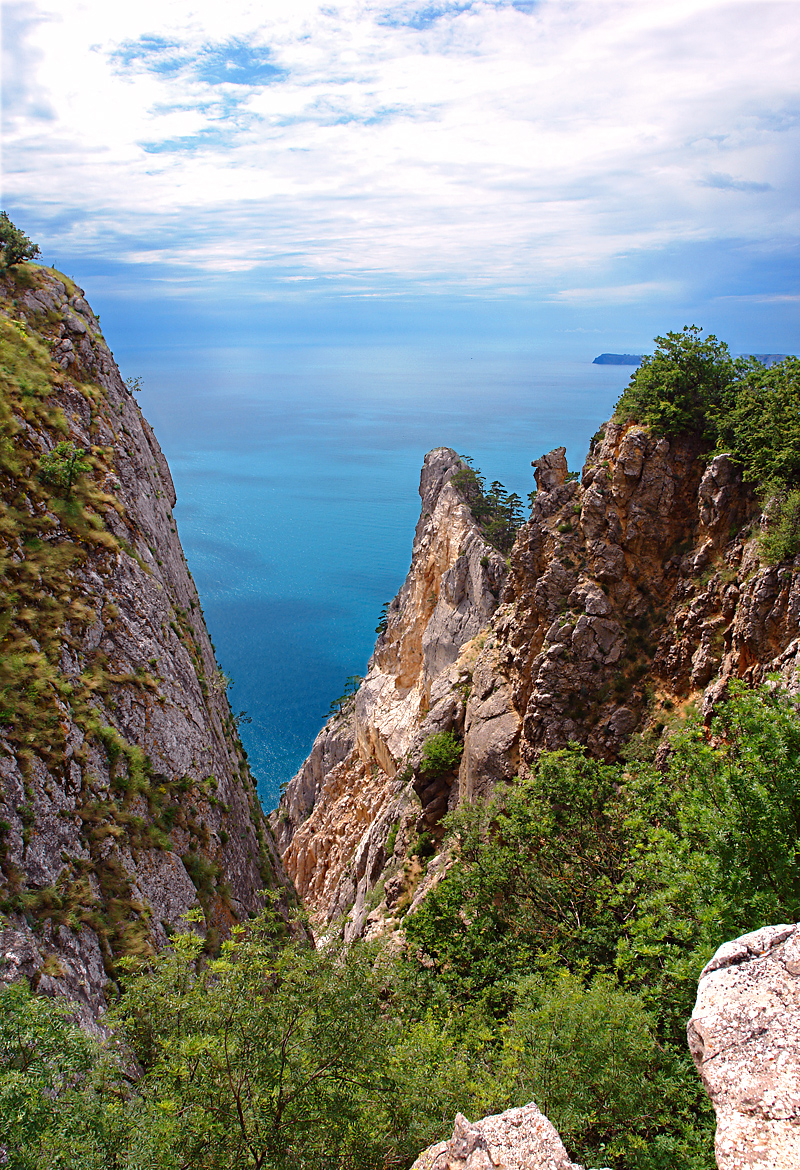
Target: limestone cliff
column 126, row 797
column 632, row 591
column 356, row 807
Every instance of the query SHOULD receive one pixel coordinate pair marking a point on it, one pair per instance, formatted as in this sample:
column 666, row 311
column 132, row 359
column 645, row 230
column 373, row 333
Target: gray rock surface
column 80, row 832
column 744, row 1035
column 519, row 1139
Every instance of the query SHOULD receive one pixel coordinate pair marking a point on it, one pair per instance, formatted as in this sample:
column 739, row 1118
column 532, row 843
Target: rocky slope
column 632, row 591
column 126, row 798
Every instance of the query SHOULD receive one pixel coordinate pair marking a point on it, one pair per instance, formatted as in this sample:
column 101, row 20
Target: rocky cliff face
column 352, row 814
column 126, row 798
column 632, row 591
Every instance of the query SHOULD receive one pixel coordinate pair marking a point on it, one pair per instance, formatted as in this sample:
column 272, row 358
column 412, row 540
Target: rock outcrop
column 125, row 796
column 354, row 811
column 519, row 1139
column 632, row 590
column 744, row 1035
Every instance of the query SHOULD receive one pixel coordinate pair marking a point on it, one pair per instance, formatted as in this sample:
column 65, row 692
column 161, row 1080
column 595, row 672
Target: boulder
column 744, row 1035
column 519, row 1139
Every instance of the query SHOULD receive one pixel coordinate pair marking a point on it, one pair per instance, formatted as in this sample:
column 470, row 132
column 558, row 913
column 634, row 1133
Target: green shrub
column 781, row 540
column 440, row 754
column 15, row 246
column 681, row 386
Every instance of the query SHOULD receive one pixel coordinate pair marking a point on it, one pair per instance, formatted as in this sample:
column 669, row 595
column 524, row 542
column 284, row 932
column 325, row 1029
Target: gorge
column 517, row 819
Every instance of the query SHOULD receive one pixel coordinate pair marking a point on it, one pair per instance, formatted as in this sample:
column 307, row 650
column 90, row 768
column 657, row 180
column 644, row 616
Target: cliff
column 631, row 592
column 352, row 812
column 126, row 799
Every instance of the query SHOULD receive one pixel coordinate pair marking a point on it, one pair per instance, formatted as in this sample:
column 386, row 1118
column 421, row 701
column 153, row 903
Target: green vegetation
column 345, row 704
column 383, row 620
column 498, row 513
column 440, row 754
column 15, row 247
column 61, row 466
column 557, row 960
column 692, row 384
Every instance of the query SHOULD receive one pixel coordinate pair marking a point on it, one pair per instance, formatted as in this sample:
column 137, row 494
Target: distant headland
column 633, row 359
column 617, row 359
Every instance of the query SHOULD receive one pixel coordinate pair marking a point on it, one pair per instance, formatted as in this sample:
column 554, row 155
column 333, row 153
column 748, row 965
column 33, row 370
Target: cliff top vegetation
column 740, row 406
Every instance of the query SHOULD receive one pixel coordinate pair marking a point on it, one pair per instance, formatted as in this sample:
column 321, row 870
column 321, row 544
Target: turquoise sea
column 297, row 469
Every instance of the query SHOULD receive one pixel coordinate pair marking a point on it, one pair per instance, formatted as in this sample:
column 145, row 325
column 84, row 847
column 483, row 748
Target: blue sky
column 582, row 172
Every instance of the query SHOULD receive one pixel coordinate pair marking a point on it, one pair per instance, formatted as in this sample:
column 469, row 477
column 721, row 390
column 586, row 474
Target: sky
column 583, row 172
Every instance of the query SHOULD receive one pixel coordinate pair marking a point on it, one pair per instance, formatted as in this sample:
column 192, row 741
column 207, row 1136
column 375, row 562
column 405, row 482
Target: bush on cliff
column 15, row 247
column 681, row 386
column 440, row 754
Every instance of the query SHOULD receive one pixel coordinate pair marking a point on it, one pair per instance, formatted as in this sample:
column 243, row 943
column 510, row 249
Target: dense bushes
column 556, row 960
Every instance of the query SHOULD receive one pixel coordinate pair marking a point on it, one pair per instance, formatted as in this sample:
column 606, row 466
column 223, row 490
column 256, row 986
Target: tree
column 14, row 244
column 63, row 464
column 682, row 386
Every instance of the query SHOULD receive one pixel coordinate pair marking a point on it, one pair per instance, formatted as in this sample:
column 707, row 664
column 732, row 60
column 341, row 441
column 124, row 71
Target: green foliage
column 681, row 386
column 498, row 513
column 587, row 1054
column 440, row 754
column 15, row 247
column 760, row 423
column 781, row 539
column 46, row 1091
column 539, row 867
column 383, row 620
column 627, row 878
column 345, row 704
column 273, row 1055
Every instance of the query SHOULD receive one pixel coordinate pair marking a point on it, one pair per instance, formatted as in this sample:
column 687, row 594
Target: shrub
column 781, row 539
column 440, row 754
column 15, row 247
column 681, row 386
column 63, row 465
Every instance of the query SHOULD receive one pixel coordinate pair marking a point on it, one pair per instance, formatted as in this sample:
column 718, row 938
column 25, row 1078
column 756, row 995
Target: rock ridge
column 632, row 591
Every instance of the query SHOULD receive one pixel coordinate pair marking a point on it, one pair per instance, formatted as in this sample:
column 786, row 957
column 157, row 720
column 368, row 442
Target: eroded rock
column 519, row 1139
column 744, row 1035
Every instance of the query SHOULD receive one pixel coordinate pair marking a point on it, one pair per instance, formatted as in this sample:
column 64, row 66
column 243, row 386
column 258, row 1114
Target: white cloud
column 496, row 145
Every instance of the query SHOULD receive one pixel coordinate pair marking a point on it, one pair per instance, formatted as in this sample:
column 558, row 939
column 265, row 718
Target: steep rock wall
column 632, row 591
column 355, row 793
column 126, row 798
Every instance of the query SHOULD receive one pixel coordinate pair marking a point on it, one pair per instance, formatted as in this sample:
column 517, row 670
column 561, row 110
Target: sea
column 297, row 472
